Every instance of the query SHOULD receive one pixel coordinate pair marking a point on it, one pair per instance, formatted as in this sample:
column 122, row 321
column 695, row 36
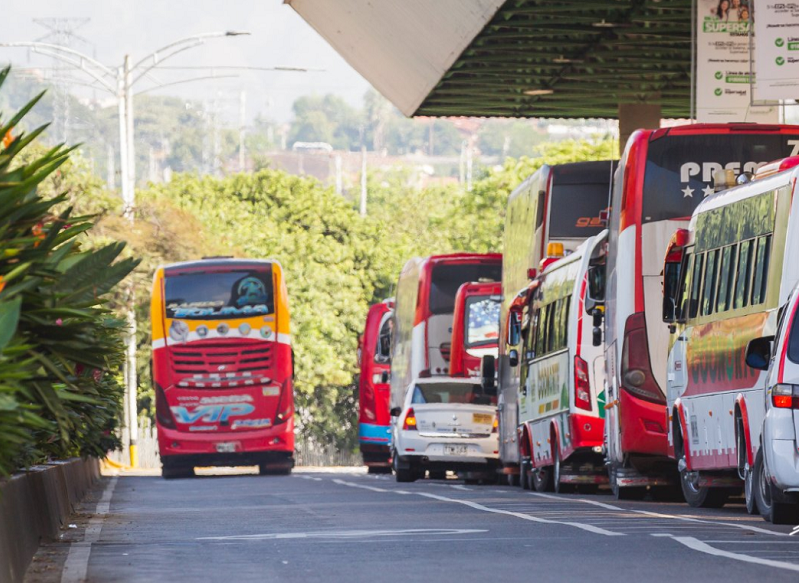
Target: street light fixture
column 120, row 83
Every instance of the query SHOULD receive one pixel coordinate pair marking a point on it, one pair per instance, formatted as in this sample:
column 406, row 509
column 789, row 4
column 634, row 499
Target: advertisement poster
column 777, row 60
column 722, row 64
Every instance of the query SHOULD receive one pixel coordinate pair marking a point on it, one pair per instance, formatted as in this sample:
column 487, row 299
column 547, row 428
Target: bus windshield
column 679, row 169
column 482, row 320
column 576, row 209
column 214, row 295
column 447, row 278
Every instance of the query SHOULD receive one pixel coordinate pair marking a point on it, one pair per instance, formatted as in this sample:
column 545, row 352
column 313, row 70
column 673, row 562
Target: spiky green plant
column 60, row 347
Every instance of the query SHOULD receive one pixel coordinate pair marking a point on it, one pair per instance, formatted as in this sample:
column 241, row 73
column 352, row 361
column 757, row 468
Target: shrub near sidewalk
column 61, row 348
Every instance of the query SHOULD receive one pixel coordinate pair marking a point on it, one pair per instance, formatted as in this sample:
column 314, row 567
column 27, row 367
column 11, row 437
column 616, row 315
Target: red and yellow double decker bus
column 222, row 366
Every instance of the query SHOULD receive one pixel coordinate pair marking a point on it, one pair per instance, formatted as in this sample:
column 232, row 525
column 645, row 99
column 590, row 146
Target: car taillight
column 285, row 406
column 785, row 396
column 636, row 370
column 410, row 420
column 582, row 384
column 162, row 413
column 495, row 426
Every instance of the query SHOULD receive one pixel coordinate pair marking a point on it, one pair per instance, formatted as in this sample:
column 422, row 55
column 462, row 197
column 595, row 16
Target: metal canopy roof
column 580, row 58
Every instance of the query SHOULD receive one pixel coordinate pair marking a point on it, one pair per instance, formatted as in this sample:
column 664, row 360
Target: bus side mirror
column 384, row 377
column 596, row 333
column 488, row 375
column 395, row 411
column 669, row 310
column 513, row 357
column 758, row 353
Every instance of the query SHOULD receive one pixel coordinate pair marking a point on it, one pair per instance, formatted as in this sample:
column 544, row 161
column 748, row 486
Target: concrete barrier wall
column 34, row 505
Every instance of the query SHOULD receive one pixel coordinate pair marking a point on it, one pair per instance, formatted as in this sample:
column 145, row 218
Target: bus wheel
column 437, row 474
column 559, row 487
column 628, row 493
column 542, row 479
column 513, row 479
column 701, row 496
column 171, row 473
column 524, row 474
column 772, row 511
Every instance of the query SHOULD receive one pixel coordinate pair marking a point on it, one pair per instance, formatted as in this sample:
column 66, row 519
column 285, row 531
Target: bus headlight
column 266, row 332
column 244, row 328
column 222, row 329
column 202, row 331
column 179, row 331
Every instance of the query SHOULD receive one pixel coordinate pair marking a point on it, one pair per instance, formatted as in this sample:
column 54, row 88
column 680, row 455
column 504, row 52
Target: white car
column 445, row 424
column 774, row 482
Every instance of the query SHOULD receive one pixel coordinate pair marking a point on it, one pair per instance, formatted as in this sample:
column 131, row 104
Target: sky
column 279, row 38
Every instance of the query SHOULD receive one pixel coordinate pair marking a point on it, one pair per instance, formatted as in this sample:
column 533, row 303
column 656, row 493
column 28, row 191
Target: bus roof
column 213, row 262
column 720, row 128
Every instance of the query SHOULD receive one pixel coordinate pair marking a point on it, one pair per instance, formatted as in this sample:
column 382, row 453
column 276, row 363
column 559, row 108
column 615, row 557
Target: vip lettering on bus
column 222, row 365
column 560, row 399
column 475, row 327
column 562, row 204
column 374, row 360
column 662, row 177
column 727, row 276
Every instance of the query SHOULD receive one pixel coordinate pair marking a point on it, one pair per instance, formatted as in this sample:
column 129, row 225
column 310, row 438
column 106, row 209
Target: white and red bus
column 662, row 177
column 559, row 204
column 424, row 310
column 222, row 366
column 561, row 363
column 475, row 327
column 374, row 361
column 736, row 274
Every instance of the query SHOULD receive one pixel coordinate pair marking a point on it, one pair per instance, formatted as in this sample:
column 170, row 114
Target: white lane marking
column 459, row 487
column 698, row 545
column 353, row 485
column 77, row 564
column 666, row 516
column 476, row 506
column 347, row 534
column 310, row 478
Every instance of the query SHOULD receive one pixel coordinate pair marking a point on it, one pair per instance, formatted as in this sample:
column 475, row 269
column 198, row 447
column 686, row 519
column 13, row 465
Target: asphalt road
column 347, row 526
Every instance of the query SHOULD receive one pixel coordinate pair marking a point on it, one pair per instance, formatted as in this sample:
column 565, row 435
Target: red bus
column 222, row 366
column 475, row 327
column 424, row 311
column 374, row 361
column 662, row 177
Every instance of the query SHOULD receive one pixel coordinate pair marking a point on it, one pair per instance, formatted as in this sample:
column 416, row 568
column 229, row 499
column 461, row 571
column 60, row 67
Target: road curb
column 34, row 505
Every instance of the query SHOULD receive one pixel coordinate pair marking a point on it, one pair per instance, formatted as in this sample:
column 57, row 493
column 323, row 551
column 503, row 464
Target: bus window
column 685, row 290
column 447, row 278
column 552, row 324
column 743, row 274
column 696, row 282
column 725, row 277
column 383, row 349
column 761, row 270
column 710, row 282
column 482, row 321
column 541, row 333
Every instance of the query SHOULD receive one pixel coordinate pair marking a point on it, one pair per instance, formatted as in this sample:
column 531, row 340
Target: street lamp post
column 120, row 83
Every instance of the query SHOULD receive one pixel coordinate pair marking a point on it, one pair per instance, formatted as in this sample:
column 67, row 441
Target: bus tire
column 628, row 493
column 437, row 474
column 701, row 496
column 559, row 487
column 268, row 470
column 542, row 479
column 765, row 494
column 743, row 467
column 524, row 475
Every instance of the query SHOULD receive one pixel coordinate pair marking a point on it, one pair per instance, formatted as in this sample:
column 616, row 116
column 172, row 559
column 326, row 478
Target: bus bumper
column 237, row 447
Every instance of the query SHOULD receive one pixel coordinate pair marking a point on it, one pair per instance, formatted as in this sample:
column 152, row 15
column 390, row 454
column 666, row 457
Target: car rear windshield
column 451, row 393
column 793, row 340
column 447, row 278
column 218, row 295
column 482, row 320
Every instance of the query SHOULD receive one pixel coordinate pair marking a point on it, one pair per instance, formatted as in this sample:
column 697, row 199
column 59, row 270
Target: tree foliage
column 60, row 347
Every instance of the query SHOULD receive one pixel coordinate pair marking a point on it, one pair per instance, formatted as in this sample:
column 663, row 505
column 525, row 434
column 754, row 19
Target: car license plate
column 456, row 449
column 483, row 418
column 226, row 447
